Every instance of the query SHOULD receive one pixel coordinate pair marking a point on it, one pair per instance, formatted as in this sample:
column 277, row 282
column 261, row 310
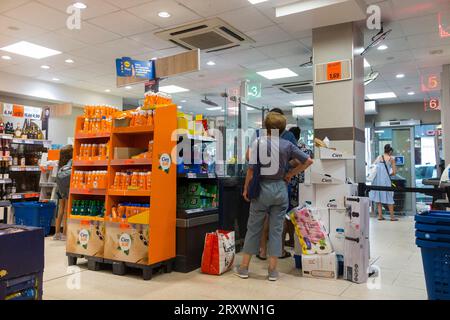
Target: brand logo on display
column 18, row 111
column 337, row 155
column 327, row 180
column 374, row 18
column 74, row 20
column 83, row 237
column 125, row 242
column 165, row 161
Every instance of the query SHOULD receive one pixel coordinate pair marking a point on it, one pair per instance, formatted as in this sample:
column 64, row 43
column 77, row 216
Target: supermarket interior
column 224, row 150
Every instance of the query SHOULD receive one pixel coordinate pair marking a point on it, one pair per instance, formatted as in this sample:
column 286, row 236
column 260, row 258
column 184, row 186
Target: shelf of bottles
column 20, row 152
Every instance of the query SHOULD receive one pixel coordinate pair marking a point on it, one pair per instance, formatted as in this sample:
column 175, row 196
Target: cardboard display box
column 330, row 154
column 333, row 196
column 85, row 237
column 338, row 220
column 307, row 194
column 320, row 266
column 356, row 260
column 127, row 153
column 127, row 242
column 359, row 218
column 326, row 172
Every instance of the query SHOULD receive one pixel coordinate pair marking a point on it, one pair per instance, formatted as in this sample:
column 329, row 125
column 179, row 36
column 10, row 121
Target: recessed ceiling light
column 277, row 74
column 382, row 47
column 172, row 89
column 366, row 64
column 302, row 103
column 180, row 107
column 214, row 108
column 6, row 58
column 154, row 58
column 70, row 61
column 383, row 95
column 211, row 63
column 257, row 1
column 80, row 5
column 183, row 101
column 164, row 14
column 31, row 50
column 400, row 76
column 45, row 67
column 108, row 90
column 411, row 93
column 128, row 88
column 56, row 79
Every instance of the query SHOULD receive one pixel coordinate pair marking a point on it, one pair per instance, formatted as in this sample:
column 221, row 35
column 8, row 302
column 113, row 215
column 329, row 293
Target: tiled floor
column 393, row 248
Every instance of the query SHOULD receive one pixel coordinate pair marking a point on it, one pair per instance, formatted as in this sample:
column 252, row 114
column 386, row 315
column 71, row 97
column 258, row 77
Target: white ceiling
column 116, row 28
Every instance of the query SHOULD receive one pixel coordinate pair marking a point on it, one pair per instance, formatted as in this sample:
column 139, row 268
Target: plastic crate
column 431, row 236
column 436, row 265
column 434, row 228
column 35, row 214
column 434, row 217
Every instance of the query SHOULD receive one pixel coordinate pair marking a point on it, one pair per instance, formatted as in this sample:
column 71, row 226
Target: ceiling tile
column 269, row 35
column 284, row 49
column 6, row 5
column 39, row 15
column 89, row 34
column 179, row 14
column 129, row 23
column 124, row 4
column 429, row 40
column 150, row 40
column 17, row 29
column 208, row 8
column 246, row 19
column 420, row 25
column 94, row 8
column 245, row 56
column 58, row 42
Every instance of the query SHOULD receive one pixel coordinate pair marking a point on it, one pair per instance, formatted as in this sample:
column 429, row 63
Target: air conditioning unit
column 298, row 87
column 208, row 35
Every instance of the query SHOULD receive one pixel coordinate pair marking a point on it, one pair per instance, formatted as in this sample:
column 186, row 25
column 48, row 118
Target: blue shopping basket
column 35, row 214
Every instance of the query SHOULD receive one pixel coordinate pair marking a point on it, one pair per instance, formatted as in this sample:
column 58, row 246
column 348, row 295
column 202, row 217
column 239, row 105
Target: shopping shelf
column 93, row 192
column 24, row 169
column 131, row 162
column 133, row 130
column 86, row 218
column 130, row 193
column 197, row 175
column 98, row 135
column 90, row 163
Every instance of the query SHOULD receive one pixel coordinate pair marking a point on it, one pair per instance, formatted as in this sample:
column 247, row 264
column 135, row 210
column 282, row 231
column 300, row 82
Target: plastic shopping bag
column 310, row 232
column 219, row 252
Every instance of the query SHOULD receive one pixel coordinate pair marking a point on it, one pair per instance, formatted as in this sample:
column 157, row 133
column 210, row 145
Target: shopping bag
column 310, row 231
column 219, row 252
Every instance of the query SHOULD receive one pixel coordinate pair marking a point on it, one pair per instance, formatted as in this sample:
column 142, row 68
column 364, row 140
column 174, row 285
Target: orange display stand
column 142, row 241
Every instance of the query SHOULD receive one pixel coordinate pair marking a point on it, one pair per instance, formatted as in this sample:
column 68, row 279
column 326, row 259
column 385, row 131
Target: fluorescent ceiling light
column 383, row 95
column 302, row 102
column 183, row 101
column 411, row 93
column 31, row 50
column 172, row 89
column 180, row 107
column 6, row 58
column 304, row 112
column 45, row 67
column 80, row 5
column 55, row 79
column 400, row 76
column 128, row 88
column 382, row 47
column 277, row 74
column 366, row 64
column 214, row 108
column 164, row 14
column 304, row 6
column 211, row 63
column 257, row 1
column 70, row 61
column 107, row 90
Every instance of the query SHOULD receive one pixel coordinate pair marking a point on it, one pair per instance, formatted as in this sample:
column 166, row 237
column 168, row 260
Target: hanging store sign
column 432, row 104
column 254, row 90
column 131, row 71
column 18, row 111
column 333, row 71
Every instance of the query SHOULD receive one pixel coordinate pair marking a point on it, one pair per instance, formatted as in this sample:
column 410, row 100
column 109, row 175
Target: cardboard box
column 359, row 223
column 307, row 194
column 85, row 237
column 326, row 172
column 127, row 242
column 356, row 260
column 330, row 154
column 320, row 266
column 338, row 220
column 127, row 153
column 333, row 196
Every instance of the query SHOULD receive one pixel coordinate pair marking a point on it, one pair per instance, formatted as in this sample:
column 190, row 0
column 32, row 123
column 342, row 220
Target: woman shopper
column 63, row 184
column 273, row 195
column 385, row 167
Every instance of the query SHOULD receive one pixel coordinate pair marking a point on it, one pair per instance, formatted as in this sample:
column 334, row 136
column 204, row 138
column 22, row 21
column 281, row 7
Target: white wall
column 63, row 127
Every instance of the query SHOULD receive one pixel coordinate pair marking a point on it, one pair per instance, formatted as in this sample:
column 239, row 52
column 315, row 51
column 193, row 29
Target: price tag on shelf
column 191, row 211
column 130, row 161
column 334, row 71
column 192, row 175
column 211, row 175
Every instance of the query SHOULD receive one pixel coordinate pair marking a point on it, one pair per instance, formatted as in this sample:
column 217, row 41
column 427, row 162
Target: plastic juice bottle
column 95, row 180
column 123, row 181
column 134, row 180
column 116, row 185
column 85, row 153
column 149, row 180
column 142, row 182
column 150, row 120
column 104, row 125
column 89, row 180
column 81, row 152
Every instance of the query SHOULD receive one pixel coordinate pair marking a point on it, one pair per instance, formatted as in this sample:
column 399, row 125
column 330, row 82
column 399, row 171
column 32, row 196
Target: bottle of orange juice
column 149, row 180
column 134, row 180
column 150, row 121
column 142, row 181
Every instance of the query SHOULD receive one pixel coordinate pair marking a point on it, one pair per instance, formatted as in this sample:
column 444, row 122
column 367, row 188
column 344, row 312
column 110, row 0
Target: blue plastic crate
column 434, row 217
column 35, row 214
column 431, row 236
column 436, row 265
column 434, row 228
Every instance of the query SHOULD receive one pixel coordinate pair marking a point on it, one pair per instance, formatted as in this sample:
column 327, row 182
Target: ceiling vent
column 298, row 87
column 209, row 35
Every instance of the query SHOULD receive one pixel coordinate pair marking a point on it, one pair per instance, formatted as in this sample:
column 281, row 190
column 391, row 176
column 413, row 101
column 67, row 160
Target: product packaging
column 326, row 172
column 85, row 237
column 333, row 196
column 323, row 266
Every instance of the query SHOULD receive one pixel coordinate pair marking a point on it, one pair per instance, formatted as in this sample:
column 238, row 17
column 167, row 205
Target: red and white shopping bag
column 219, row 252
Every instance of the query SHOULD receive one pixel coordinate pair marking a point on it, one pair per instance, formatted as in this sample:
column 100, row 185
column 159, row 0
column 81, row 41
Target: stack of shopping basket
column 433, row 237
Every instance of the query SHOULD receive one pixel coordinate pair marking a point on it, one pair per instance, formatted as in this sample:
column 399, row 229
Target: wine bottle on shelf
column 18, row 132
column 13, row 187
column 2, row 126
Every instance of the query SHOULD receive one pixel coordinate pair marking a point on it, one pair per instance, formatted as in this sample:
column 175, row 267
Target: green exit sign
column 254, row 90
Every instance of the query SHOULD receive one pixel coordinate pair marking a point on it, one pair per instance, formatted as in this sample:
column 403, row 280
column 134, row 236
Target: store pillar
column 445, row 112
column 339, row 102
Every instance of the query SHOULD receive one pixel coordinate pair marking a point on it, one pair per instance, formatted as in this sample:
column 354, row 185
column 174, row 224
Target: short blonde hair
column 275, row 121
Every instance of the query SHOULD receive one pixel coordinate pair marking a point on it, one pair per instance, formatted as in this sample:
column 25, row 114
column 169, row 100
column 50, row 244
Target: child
column 273, row 197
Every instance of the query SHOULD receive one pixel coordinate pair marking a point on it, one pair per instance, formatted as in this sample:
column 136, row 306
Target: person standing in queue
column 273, row 197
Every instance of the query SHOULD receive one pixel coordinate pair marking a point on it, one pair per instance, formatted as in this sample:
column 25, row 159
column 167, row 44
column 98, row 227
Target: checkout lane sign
column 18, row 111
